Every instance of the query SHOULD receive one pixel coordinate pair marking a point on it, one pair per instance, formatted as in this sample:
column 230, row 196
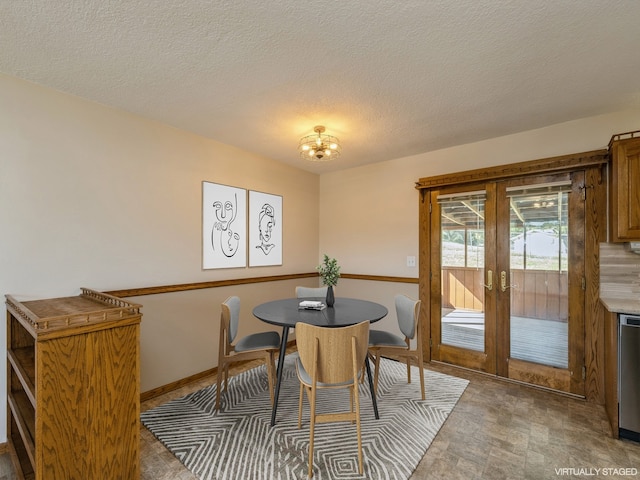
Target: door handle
column 503, row 282
column 489, row 284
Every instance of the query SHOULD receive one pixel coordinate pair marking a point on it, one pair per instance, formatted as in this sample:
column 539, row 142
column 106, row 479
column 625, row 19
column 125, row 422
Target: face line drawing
column 225, row 215
column 221, row 212
column 266, row 221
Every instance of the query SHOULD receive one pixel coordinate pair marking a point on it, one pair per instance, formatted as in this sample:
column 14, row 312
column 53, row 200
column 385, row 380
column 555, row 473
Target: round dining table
column 287, row 312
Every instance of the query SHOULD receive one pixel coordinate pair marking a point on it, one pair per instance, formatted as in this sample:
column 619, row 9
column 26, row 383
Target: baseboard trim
column 170, row 387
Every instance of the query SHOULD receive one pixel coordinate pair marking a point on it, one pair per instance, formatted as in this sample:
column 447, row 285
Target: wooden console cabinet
column 74, row 387
column 624, row 187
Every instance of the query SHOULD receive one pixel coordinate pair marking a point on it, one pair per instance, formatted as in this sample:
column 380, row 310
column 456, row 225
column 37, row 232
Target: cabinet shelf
column 24, row 417
column 23, row 465
column 23, row 363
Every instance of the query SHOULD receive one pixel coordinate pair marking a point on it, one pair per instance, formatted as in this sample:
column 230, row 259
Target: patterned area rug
column 238, row 442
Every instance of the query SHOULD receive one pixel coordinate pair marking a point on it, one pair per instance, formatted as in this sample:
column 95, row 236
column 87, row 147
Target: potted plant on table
column 330, row 273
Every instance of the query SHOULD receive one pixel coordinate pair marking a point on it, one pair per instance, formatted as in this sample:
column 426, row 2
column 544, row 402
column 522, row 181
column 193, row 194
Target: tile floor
column 6, row 469
column 498, row 430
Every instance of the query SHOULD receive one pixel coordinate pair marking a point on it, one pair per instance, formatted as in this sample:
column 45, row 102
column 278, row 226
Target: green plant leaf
column 329, row 271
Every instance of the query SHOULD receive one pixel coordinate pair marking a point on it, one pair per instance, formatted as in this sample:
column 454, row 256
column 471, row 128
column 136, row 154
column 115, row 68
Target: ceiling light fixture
column 319, row 147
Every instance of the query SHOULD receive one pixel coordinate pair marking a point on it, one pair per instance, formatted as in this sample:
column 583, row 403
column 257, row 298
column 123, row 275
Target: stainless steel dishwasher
column 629, row 376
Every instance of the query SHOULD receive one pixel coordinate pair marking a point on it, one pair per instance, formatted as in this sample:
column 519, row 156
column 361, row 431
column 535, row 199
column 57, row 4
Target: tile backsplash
column 619, row 271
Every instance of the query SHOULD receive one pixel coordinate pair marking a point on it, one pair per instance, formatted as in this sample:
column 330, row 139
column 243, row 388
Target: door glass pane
column 538, row 275
column 463, row 238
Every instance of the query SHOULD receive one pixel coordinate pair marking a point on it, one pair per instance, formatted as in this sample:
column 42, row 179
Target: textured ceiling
column 390, row 78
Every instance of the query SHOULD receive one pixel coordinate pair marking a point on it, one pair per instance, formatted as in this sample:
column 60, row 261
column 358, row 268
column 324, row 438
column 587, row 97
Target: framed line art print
column 265, row 229
column 224, row 226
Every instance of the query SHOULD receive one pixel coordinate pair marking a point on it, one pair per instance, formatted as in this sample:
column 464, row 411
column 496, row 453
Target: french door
column 507, row 258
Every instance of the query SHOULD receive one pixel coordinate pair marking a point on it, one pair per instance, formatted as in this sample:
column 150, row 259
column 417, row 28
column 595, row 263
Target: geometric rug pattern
column 238, row 441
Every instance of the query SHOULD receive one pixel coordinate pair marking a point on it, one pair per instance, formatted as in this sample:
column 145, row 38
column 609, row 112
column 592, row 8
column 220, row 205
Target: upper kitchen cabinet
column 624, row 187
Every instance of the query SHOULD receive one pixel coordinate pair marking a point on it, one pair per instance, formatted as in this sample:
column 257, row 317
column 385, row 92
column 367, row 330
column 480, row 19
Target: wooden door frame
column 594, row 164
column 570, row 379
column 483, row 361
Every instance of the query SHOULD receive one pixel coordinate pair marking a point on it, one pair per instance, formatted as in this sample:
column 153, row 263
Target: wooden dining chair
column 331, row 358
column 383, row 343
column 311, row 292
column 263, row 345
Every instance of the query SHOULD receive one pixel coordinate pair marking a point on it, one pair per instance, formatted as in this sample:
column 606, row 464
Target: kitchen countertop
column 621, row 305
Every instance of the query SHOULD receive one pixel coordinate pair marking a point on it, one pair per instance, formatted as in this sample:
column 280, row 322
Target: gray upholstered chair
column 331, row 358
column 383, row 343
column 263, row 345
column 310, row 292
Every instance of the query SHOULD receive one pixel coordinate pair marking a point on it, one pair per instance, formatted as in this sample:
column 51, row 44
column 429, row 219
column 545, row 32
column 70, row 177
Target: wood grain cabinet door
column 625, row 190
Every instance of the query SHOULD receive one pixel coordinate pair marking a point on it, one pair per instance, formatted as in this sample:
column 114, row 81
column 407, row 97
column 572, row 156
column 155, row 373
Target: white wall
column 95, row 197
column 369, row 214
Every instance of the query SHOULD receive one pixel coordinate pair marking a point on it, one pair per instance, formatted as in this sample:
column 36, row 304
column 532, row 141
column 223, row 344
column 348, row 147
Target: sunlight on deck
column 532, row 339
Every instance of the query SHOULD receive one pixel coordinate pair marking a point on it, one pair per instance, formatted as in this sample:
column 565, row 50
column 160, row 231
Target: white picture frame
column 224, row 226
column 265, row 229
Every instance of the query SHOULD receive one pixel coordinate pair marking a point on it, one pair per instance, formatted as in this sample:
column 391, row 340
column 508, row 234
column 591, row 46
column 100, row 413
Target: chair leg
column 358, row 428
column 421, row 366
column 269, row 363
column 312, row 428
column 408, row 369
column 352, row 401
column 375, row 375
column 219, row 385
column 300, row 406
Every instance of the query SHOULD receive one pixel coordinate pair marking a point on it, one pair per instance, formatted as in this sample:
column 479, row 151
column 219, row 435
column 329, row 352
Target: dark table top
column 346, row 311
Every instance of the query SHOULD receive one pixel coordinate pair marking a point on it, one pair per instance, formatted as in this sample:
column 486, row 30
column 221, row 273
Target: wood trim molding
column 136, row 292
column 545, row 165
column 380, row 278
